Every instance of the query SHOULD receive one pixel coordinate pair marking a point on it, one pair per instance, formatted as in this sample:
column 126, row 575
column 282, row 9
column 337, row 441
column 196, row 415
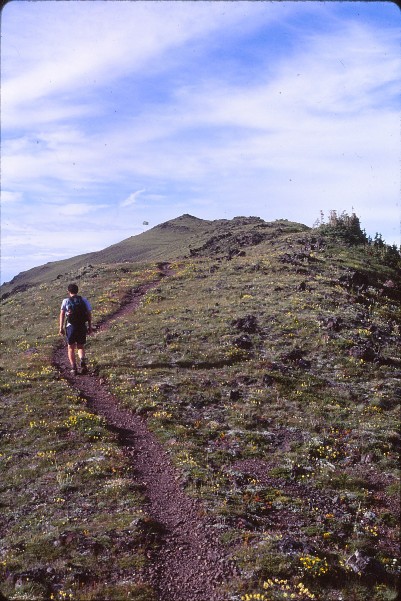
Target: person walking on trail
column 78, row 311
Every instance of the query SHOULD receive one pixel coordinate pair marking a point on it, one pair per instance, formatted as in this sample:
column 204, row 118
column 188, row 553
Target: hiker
column 78, row 311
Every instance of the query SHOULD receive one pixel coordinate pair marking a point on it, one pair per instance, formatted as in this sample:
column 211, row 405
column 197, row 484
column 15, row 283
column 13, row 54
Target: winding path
column 188, row 565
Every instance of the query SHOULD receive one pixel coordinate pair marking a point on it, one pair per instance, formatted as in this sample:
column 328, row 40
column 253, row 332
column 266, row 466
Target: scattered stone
column 293, row 356
column 334, row 324
column 267, row 380
column 359, row 563
column 243, row 342
column 292, row 546
column 170, row 336
column 390, row 290
column 297, row 258
column 31, row 351
column 365, row 353
column 82, row 576
column 246, row 324
column 247, row 380
column 304, row 364
column 354, row 279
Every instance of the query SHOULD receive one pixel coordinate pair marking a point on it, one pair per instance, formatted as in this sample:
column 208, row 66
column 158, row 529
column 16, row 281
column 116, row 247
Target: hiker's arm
column 89, row 321
column 61, row 325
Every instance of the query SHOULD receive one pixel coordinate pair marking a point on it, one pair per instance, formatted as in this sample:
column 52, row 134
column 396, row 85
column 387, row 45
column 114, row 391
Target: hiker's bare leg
column 71, row 354
column 81, row 351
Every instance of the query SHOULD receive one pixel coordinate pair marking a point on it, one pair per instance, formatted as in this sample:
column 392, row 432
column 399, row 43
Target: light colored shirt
column 65, row 301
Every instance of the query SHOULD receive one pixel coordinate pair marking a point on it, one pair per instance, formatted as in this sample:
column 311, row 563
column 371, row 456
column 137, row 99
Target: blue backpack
column 76, row 311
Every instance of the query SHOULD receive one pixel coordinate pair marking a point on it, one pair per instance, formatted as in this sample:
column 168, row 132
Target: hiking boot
column 84, row 367
column 73, row 371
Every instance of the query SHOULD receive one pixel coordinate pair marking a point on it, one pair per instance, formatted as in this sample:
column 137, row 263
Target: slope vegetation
column 267, row 366
column 166, row 241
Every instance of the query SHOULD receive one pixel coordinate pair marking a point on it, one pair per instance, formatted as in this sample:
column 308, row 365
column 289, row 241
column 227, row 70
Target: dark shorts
column 75, row 334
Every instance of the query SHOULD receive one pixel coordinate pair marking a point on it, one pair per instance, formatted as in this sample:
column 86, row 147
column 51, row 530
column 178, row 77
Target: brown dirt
column 188, row 563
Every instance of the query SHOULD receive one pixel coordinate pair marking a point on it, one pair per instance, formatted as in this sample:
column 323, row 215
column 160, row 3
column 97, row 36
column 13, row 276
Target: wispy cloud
column 9, row 196
column 131, row 198
column 77, row 209
column 109, row 41
column 273, row 109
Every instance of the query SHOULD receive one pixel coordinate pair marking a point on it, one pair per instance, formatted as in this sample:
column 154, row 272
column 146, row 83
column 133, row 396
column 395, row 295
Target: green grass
column 325, row 430
column 71, row 511
column 291, row 443
column 165, row 242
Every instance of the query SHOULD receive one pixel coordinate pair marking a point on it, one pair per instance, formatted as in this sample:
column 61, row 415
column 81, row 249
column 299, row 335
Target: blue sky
column 114, row 113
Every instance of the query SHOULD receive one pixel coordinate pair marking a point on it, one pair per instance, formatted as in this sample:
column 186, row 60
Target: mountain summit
column 164, row 242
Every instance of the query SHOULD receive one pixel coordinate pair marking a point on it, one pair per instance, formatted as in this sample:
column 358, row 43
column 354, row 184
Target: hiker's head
column 72, row 288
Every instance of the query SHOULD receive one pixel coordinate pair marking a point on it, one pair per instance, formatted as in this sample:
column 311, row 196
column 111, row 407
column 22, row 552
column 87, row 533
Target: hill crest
column 179, row 237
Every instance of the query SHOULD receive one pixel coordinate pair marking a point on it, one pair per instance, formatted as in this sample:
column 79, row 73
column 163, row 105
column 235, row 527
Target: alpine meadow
column 237, row 436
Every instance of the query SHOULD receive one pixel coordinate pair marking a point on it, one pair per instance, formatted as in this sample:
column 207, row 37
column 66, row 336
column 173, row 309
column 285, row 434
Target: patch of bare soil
column 187, row 563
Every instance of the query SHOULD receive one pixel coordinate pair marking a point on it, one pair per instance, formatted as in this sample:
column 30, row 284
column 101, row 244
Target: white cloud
column 158, row 97
column 110, row 40
column 7, row 196
column 131, row 198
column 24, row 247
column 77, row 209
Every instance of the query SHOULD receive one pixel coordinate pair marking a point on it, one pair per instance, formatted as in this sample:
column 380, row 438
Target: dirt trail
column 188, row 564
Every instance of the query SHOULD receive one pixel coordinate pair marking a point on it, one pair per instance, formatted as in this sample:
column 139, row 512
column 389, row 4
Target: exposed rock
column 235, row 395
column 363, row 564
column 292, row 546
column 304, row 364
column 243, row 342
column 295, row 355
column 244, row 379
column 19, row 288
column 246, row 324
column 169, row 336
column 268, row 380
column 235, row 252
column 354, row 279
column 390, row 290
column 366, row 353
column 297, row 258
column 333, row 324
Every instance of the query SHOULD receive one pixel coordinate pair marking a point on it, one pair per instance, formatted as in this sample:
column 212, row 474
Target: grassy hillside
column 165, row 242
column 268, row 366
